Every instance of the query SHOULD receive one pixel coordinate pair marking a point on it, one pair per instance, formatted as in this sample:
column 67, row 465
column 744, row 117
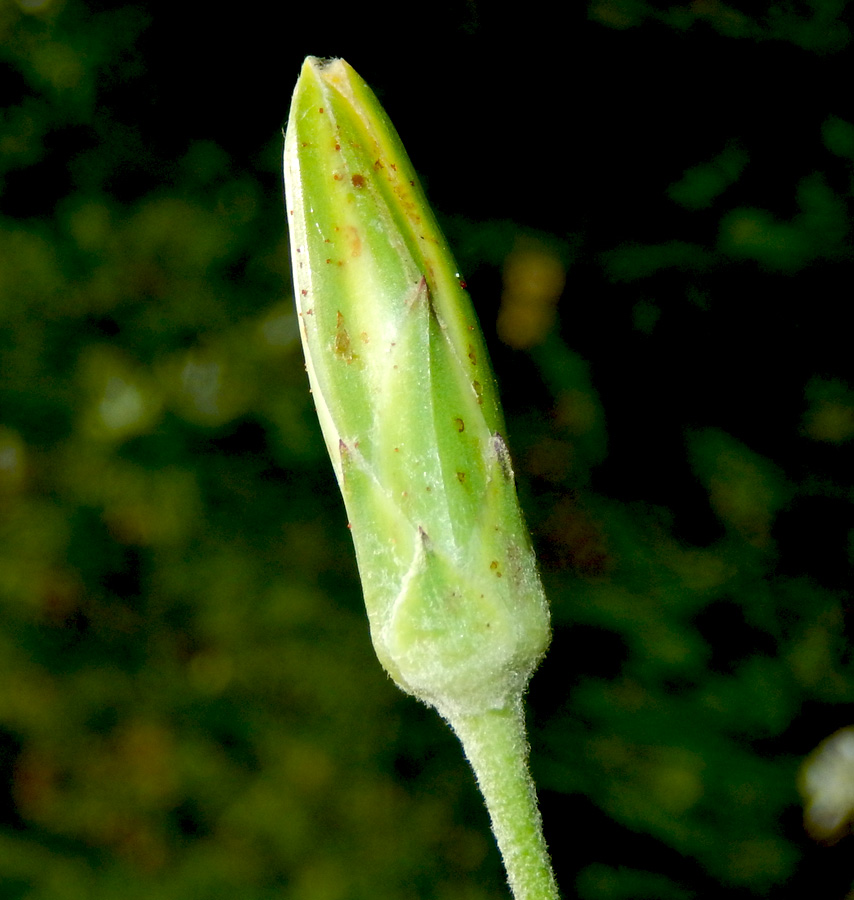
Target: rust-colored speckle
column 463, row 284
column 337, row 176
column 461, row 426
column 310, row 312
column 355, row 241
column 472, row 355
column 358, row 180
column 461, row 477
column 342, row 341
column 478, row 389
column 378, row 164
column 328, row 261
column 320, row 109
column 304, row 292
column 337, row 146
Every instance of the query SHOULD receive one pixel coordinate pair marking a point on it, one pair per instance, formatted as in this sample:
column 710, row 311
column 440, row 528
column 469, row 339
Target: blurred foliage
column 189, row 704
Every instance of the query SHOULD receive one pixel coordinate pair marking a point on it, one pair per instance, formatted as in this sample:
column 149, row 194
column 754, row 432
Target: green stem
column 495, row 745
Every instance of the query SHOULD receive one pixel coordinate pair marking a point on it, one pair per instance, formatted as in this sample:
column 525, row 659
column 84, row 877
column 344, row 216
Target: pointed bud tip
column 331, row 69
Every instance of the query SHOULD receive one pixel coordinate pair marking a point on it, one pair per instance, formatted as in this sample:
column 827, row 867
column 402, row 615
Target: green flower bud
column 408, row 407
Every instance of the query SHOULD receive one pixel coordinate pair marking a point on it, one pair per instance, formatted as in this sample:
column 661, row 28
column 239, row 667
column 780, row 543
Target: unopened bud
column 408, row 407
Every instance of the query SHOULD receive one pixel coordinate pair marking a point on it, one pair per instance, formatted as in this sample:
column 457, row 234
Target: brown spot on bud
column 358, row 180
column 461, row 426
column 342, row 341
column 354, row 241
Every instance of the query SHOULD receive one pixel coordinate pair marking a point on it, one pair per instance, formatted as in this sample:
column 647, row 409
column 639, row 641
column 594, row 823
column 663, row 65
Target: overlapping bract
column 408, row 408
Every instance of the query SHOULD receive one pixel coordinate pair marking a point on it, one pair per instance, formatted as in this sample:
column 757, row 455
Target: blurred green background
column 651, row 203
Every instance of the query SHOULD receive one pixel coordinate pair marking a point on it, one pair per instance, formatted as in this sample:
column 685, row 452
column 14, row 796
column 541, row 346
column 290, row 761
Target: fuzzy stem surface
column 495, row 744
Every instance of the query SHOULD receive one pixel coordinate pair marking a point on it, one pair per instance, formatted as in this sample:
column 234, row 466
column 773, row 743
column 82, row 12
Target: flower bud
column 408, row 407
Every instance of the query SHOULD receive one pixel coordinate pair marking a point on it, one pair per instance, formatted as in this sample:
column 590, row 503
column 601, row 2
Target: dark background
column 651, row 204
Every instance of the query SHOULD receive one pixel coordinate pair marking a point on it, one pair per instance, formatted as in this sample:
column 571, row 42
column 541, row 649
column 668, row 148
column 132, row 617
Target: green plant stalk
column 413, row 424
column 495, row 745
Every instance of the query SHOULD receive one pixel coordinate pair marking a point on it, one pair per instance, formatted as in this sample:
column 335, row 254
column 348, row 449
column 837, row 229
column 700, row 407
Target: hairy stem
column 495, row 745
